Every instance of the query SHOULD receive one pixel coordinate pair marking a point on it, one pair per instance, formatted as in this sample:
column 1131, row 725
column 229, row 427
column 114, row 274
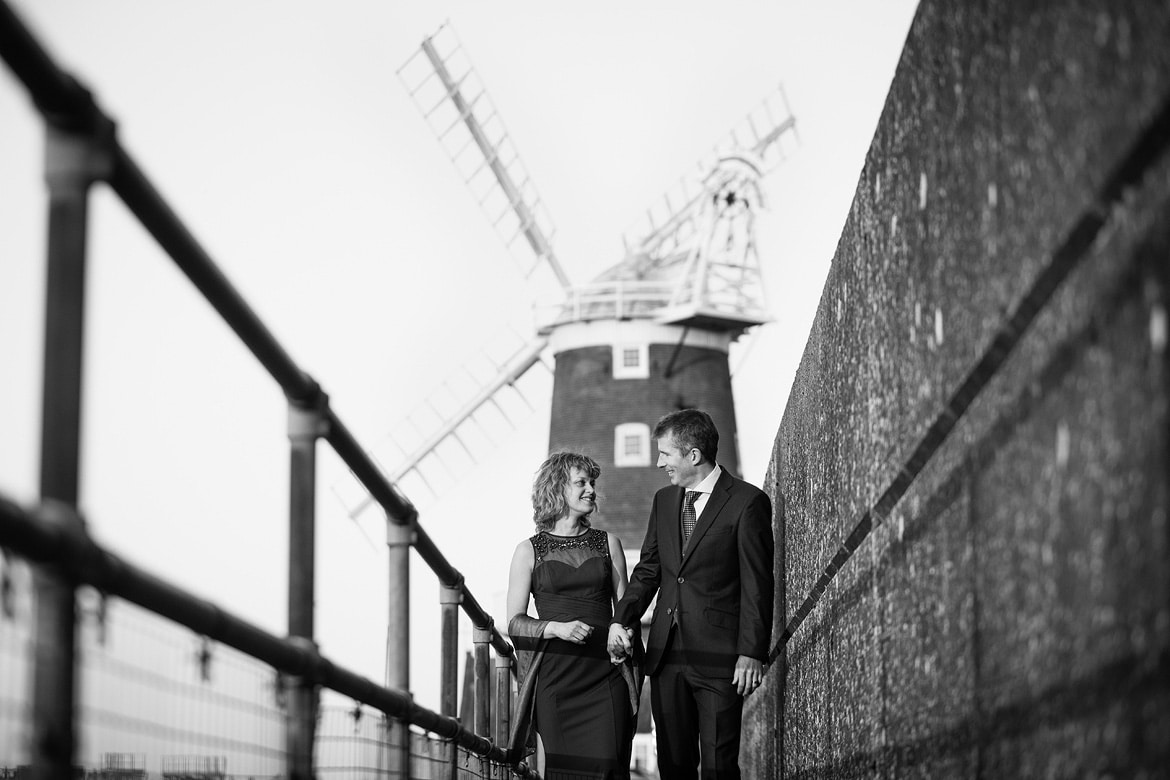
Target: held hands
column 574, row 631
column 620, row 643
column 748, row 675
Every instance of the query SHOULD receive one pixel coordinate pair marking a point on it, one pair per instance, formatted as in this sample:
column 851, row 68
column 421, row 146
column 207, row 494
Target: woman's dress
column 582, row 701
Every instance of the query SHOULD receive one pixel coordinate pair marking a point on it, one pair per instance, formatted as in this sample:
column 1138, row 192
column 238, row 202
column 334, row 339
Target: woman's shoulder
column 538, row 544
column 524, row 548
column 597, row 539
column 613, row 543
column 601, row 535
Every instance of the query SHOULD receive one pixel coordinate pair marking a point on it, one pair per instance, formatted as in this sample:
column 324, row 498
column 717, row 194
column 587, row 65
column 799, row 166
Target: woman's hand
column 575, row 631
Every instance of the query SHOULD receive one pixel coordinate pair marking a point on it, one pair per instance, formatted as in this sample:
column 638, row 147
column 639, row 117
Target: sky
column 282, row 137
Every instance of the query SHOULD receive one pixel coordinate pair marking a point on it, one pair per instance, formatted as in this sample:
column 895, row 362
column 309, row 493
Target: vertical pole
column 449, row 600
column 54, row 659
column 399, row 538
column 482, row 637
column 73, row 161
column 503, row 700
column 305, row 425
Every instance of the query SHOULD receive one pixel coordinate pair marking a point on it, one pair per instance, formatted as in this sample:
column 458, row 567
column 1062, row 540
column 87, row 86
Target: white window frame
column 625, row 431
column 639, row 371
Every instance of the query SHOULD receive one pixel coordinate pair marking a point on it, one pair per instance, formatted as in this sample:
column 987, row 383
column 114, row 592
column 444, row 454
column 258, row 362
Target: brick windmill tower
column 650, row 334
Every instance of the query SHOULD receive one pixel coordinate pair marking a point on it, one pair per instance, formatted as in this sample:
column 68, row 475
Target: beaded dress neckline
column 592, row 539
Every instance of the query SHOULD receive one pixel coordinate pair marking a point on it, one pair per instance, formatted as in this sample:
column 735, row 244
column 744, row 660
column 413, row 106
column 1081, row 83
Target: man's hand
column 620, row 642
column 749, row 673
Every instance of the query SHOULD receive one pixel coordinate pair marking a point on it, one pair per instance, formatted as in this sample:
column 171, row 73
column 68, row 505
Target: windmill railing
column 81, row 150
column 618, row 299
column 661, row 302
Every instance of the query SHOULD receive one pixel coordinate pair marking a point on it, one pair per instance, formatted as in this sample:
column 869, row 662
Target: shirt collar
column 708, row 483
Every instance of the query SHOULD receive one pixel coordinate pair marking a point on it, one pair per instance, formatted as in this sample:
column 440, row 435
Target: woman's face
column 580, row 493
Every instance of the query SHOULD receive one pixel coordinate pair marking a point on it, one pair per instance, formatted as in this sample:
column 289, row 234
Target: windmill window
column 631, row 361
column 631, row 445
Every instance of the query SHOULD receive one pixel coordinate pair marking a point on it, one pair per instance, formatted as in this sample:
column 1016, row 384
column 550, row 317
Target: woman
column 580, row 704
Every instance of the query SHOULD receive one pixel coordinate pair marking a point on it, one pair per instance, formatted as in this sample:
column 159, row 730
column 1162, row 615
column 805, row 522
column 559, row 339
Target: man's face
column 680, row 465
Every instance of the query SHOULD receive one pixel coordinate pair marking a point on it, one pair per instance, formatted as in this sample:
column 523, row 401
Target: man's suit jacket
column 719, row 592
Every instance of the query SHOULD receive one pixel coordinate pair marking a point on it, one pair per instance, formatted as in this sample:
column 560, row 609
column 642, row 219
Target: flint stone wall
column 1011, row 618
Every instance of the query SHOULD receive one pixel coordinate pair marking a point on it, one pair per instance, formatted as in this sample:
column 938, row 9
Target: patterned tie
column 688, row 515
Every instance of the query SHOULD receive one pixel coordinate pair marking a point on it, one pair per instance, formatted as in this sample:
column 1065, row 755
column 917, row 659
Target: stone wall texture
column 1010, row 615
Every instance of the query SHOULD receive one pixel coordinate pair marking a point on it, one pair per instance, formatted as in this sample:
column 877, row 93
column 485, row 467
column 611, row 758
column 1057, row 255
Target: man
column 712, row 571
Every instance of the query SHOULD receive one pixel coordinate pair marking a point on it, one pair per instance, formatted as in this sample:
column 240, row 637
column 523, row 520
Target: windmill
column 651, row 333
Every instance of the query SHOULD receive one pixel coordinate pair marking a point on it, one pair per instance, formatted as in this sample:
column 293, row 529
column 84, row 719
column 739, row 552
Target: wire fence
column 153, row 698
column 16, row 642
column 352, row 744
column 158, row 701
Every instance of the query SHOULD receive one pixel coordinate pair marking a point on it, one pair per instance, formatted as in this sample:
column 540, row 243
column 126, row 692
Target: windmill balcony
column 607, row 300
column 662, row 302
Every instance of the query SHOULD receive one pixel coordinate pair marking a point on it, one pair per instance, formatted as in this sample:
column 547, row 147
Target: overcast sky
column 280, row 134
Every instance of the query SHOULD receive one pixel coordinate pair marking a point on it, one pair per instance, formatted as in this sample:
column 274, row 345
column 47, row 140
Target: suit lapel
column 715, row 503
column 668, row 529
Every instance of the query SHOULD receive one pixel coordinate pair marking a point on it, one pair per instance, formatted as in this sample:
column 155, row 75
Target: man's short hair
column 690, row 429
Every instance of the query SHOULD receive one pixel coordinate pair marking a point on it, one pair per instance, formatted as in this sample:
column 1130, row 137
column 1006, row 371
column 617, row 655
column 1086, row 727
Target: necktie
column 688, row 515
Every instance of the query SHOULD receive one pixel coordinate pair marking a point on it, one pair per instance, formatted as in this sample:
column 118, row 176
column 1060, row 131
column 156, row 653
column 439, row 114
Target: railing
column 663, row 302
column 82, row 148
column 606, row 300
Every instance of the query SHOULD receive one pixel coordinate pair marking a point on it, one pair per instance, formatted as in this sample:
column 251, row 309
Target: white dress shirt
column 704, row 489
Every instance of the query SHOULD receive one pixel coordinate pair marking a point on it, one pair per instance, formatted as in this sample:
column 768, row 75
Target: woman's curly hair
column 548, row 486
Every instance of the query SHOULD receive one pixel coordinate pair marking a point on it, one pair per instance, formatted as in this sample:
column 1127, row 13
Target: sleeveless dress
column 582, row 701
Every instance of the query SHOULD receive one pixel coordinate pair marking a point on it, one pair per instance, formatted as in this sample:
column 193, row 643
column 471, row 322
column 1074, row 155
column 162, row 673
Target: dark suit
column 714, row 605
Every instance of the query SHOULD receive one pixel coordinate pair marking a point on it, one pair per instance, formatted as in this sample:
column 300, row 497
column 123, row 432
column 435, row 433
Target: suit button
column 670, row 610
column 681, row 579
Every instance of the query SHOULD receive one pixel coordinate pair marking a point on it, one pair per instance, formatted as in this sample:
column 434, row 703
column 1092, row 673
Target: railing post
column 450, row 598
column 482, row 638
column 73, row 161
column 503, row 700
column 305, row 425
column 399, row 538
column 54, row 675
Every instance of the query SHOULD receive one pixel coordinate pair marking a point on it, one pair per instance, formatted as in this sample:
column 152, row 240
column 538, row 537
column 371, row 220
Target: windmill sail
column 694, row 259
column 452, row 98
column 669, row 226
column 461, row 417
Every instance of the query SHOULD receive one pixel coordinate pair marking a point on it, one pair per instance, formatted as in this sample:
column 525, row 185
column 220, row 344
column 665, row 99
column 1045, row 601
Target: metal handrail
column 55, row 535
column 67, row 106
column 82, row 150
